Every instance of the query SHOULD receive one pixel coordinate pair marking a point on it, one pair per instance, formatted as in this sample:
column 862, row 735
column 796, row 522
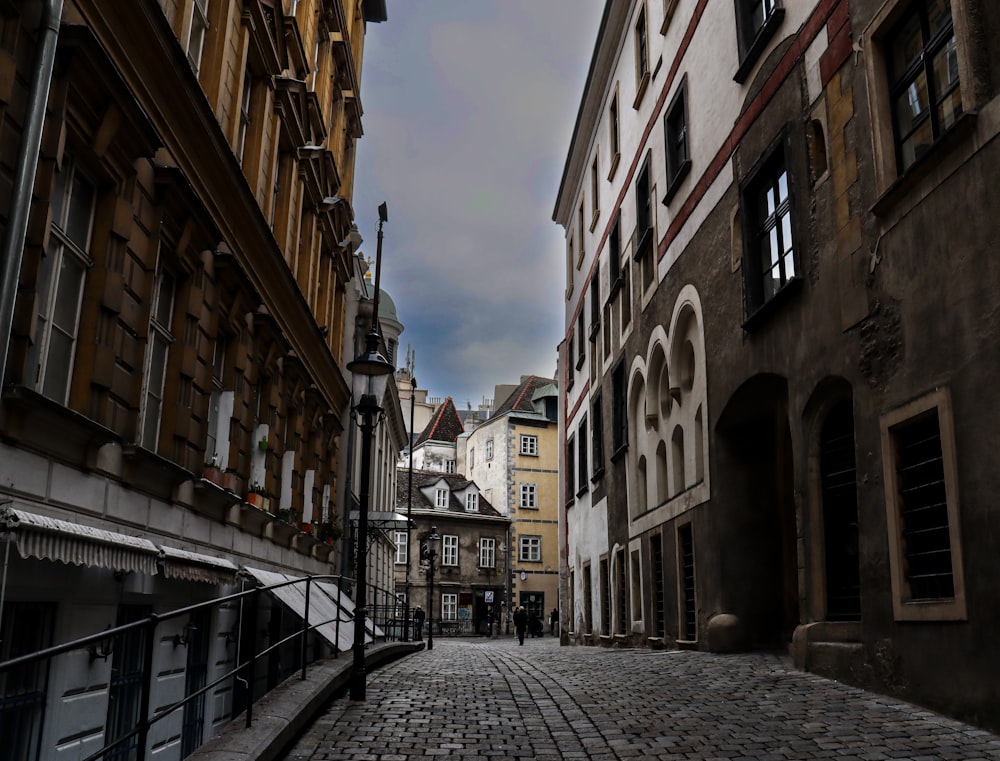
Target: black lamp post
column 432, row 540
column 370, row 375
column 409, row 512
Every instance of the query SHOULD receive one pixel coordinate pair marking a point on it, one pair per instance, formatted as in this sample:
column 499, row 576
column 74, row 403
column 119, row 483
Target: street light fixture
column 370, row 375
column 432, row 540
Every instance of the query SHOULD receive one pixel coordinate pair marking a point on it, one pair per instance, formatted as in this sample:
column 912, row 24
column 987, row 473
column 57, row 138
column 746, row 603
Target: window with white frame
column 440, row 498
column 449, row 606
column 529, row 444
column 402, row 547
column 217, row 436
column 529, row 496
column 472, row 502
column 60, row 281
column 489, row 449
column 449, row 466
column 531, row 549
column 487, row 552
column 641, row 56
column 157, row 352
column 614, row 133
column 449, row 549
column 196, row 37
column 244, row 127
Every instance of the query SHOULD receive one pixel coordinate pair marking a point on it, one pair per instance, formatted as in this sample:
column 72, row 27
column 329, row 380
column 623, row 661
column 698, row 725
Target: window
column 218, row 431
column 487, row 552
column 440, row 498
column 595, row 307
column 686, row 594
column 529, row 445
column 770, row 260
column 570, row 469
column 157, row 351
column 241, row 135
column 401, row 547
column 595, row 199
column 643, row 252
column 449, row 606
column 626, row 298
column 531, row 549
column 196, row 38
column 756, row 23
column 570, row 267
column 580, row 239
column 582, row 471
column 615, row 256
column 60, row 281
column 614, row 134
column 923, row 71
column 472, row 503
column 597, row 436
column 489, row 449
column 641, row 57
column 669, row 6
column 529, row 496
column 25, row 627
column 675, row 139
column 581, row 338
column 472, row 458
column 922, row 510
column 619, row 416
column 449, row 549
column 449, row 466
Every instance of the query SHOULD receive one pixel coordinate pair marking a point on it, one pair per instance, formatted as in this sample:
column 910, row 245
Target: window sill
column 598, row 475
column 593, row 220
column 642, row 243
column 595, row 328
column 619, row 453
column 770, row 306
column 614, row 166
column 960, row 131
column 582, row 490
column 756, row 47
column 675, row 183
column 570, row 502
column 613, row 290
column 580, row 360
column 668, row 14
column 640, row 90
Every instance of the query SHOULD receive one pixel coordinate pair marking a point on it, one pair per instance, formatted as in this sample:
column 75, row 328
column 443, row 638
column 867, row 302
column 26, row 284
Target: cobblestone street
column 482, row 698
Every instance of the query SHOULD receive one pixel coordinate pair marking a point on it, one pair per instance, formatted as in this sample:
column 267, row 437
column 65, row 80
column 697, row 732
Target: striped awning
column 194, row 566
column 323, row 597
column 45, row 538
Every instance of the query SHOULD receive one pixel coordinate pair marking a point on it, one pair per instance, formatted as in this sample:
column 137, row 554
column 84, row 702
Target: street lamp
column 432, row 540
column 370, row 375
column 409, row 511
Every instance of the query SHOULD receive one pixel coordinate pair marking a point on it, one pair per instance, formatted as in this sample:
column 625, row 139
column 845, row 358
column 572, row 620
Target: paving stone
column 470, row 699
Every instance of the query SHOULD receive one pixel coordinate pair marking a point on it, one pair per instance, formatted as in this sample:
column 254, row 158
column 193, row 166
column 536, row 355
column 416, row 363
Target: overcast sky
column 469, row 106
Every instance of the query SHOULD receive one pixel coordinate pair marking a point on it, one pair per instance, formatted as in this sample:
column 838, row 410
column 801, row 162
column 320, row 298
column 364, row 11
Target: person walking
column 554, row 622
column 418, row 622
column 520, row 623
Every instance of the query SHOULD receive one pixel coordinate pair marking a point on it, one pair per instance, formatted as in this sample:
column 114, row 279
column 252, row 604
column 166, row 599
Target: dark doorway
column 195, row 678
column 125, row 689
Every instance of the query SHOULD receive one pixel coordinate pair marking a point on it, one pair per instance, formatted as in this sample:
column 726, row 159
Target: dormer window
column 472, row 503
column 440, row 498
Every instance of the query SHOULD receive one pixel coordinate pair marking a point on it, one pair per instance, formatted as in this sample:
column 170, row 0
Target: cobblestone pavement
column 471, row 699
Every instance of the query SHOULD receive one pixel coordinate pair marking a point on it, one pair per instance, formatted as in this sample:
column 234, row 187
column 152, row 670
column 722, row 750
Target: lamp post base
column 359, row 679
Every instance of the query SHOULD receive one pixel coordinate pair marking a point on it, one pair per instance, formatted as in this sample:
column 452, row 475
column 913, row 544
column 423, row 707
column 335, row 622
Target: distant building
column 513, row 457
column 778, row 372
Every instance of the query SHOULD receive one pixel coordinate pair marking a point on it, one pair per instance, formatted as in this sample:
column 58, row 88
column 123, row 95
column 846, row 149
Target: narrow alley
column 492, row 698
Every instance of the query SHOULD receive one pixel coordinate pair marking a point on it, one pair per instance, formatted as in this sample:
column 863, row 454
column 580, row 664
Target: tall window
column 25, row 628
column 529, row 445
column 440, row 498
column 196, row 39
column 595, row 198
column 449, row 606
column 619, row 415
column 581, row 252
column 769, row 247
column 402, row 548
column 157, row 351
column 597, row 436
column 570, row 468
column 529, row 496
column 212, row 453
column 923, row 78
column 644, row 224
column 686, row 581
column 472, row 458
column 756, row 23
column 595, row 307
column 675, row 134
column 614, row 134
column 449, row 549
column 489, row 449
column 60, row 280
column 449, row 466
column 581, row 338
column 582, row 472
column 615, row 255
column 487, row 552
column 530, row 549
column 241, row 136
column 472, row 503
column 641, row 55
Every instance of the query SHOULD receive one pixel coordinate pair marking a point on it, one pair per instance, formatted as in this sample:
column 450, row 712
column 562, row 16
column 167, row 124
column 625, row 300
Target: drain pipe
column 24, row 177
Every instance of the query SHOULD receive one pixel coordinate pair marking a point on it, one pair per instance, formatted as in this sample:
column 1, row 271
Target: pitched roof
column 522, row 398
column 446, row 425
column 423, row 478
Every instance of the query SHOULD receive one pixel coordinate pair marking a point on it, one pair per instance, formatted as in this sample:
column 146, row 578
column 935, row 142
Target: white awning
column 323, row 596
column 38, row 536
column 193, row 566
column 382, row 520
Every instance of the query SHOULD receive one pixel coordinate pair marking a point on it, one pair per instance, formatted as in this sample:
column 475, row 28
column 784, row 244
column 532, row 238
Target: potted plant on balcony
column 258, row 497
column 212, row 472
column 327, row 532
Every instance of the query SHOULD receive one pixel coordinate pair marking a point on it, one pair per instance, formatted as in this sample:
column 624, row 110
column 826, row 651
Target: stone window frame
column 449, row 550
column 528, row 496
column 872, row 41
column 677, row 148
column 904, row 607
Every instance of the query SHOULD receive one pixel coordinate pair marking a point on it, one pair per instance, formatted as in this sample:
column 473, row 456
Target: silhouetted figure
column 520, row 623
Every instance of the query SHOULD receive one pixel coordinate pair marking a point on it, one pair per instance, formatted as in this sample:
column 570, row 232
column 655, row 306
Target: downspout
column 24, row 177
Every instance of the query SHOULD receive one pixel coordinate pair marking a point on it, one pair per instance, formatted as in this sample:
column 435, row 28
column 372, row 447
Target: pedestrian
column 418, row 622
column 520, row 623
column 554, row 622
column 534, row 624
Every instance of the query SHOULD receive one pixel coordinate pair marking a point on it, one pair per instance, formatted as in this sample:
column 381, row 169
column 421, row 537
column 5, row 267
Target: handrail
column 244, row 669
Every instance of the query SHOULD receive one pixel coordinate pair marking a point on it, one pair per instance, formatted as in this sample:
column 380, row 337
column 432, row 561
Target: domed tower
column 391, row 326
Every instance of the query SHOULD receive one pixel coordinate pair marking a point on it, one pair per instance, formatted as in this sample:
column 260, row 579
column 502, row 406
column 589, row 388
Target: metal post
column 305, row 627
column 409, row 512
column 431, row 554
column 367, row 407
column 252, row 660
column 147, row 687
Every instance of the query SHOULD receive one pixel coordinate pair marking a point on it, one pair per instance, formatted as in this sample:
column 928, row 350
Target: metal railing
column 140, row 638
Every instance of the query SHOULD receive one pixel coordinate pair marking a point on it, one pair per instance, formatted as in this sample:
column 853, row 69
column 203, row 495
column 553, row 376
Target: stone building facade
column 779, row 360
column 178, row 253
